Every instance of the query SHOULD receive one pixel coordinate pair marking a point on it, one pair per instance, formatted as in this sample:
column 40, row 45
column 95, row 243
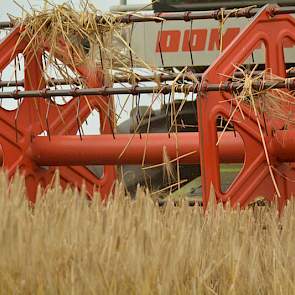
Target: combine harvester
column 245, row 113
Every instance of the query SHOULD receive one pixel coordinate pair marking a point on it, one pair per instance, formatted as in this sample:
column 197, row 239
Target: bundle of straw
column 90, row 37
column 272, row 103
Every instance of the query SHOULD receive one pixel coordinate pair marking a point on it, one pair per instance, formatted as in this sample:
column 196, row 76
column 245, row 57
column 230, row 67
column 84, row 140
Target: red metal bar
column 104, row 149
column 95, row 150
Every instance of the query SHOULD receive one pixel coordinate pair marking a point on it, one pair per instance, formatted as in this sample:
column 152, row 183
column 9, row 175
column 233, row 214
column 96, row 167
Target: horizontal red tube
column 283, row 146
column 129, row 149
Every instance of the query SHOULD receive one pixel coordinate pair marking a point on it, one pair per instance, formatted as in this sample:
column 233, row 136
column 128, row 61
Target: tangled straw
column 271, row 104
column 91, row 38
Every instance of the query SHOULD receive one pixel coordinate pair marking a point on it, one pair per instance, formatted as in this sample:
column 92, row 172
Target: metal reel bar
column 190, row 15
column 290, row 73
column 135, row 90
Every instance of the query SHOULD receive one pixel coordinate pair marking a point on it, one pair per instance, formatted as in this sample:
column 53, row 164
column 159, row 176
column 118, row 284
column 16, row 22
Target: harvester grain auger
column 263, row 143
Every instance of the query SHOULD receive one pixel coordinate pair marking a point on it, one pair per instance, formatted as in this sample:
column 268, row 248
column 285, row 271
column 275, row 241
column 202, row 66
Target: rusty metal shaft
column 135, row 90
column 163, row 77
column 217, row 14
column 187, row 16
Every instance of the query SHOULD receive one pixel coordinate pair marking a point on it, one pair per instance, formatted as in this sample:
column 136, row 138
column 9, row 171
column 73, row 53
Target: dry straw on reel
column 90, row 37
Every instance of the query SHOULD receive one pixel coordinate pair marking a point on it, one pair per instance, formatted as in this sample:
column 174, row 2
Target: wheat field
column 68, row 245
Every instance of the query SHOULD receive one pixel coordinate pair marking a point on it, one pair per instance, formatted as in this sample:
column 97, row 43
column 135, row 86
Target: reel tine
column 78, row 119
column 168, row 118
column 101, row 51
column 58, row 110
column 190, row 43
column 16, row 89
column 15, row 72
column 15, row 120
column 46, row 119
column 159, row 44
column 130, row 51
column 109, row 119
column 101, row 58
column 138, row 116
column 18, row 63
